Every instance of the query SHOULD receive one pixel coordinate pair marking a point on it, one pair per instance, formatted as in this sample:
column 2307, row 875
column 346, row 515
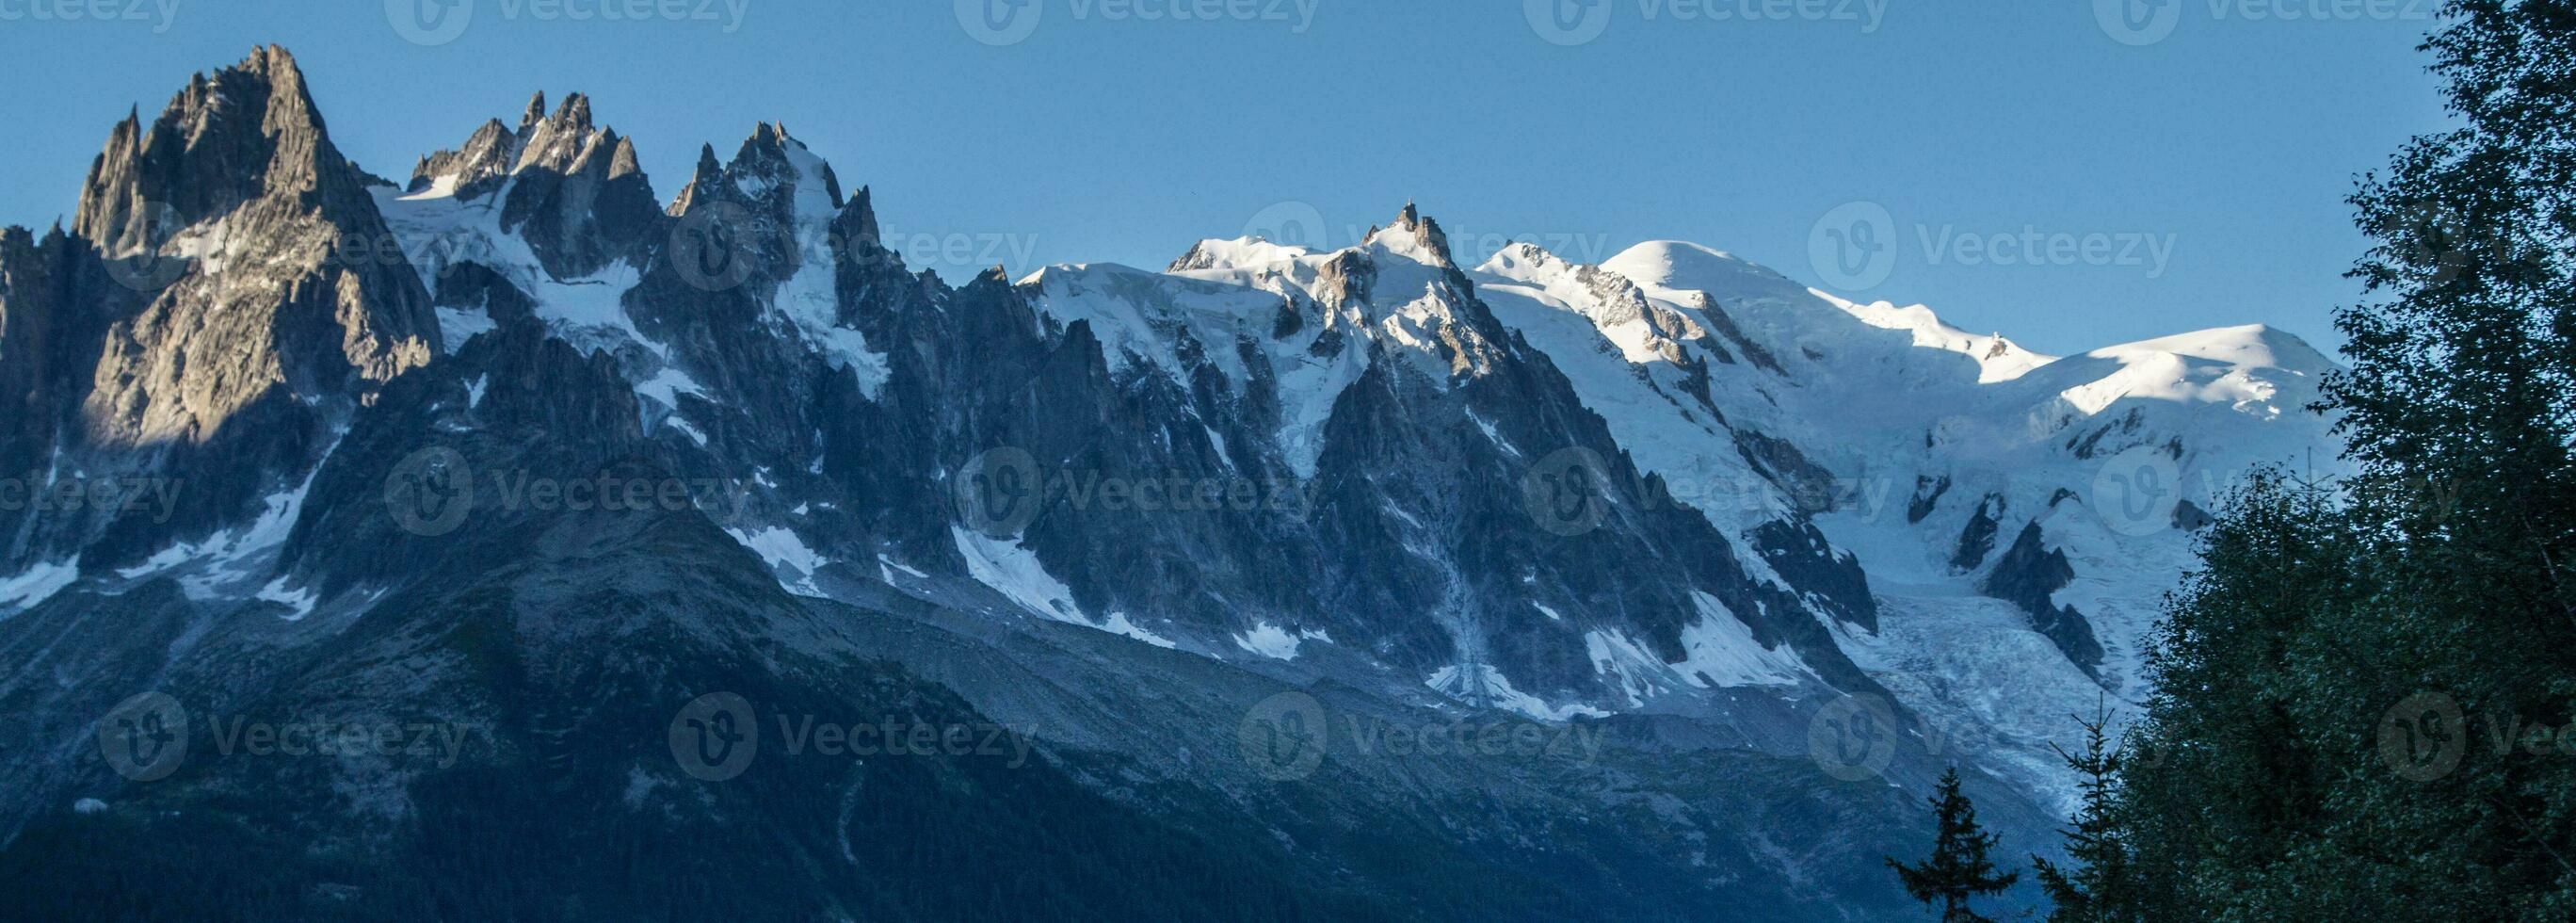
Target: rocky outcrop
column 2026, row 576
column 227, row 291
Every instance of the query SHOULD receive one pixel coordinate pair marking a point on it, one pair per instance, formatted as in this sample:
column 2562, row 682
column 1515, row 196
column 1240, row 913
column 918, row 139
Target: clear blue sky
column 1105, row 136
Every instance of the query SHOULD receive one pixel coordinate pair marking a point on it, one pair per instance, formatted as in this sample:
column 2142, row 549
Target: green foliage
column 1959, row 868
column 2347, row 688
column 2099, row 888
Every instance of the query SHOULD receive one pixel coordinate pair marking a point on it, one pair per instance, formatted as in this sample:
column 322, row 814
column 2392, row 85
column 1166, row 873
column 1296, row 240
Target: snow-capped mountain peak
column 1237, row 253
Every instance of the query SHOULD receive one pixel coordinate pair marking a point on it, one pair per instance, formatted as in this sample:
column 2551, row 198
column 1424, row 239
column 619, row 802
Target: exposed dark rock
column 1977, row 538
column 1927, row 496
column 2026, row 576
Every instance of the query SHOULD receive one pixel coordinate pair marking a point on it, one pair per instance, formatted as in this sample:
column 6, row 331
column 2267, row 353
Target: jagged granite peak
column 571, row 189
column 487, row 156
column 706, row 181
column 1415, row 236
column 557, row 141
column 857, row 222
column 1408, row 406
column 249, row 130
column 536, row 112
column 622, row 161
column 210, row 318
column 771, row 160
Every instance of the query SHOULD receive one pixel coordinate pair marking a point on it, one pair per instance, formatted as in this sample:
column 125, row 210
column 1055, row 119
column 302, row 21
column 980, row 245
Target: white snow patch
column 1270, row 641
column 1485, row 686
column 668, row 384
column 37, row 584
column 1014, row 570
column 299, row 603
column 1119, row 625
column 223, row 553
column 1723, row 651
column 782, row 547
column 898, row 565
column 457, row 326
column 1640, row 675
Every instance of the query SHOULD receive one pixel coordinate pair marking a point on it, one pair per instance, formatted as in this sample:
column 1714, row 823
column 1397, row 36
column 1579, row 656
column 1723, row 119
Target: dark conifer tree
column 1959, row 868
column 2347, row 686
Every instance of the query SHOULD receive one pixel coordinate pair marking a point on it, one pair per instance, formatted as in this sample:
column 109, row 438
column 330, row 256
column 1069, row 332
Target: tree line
column 2363, row 702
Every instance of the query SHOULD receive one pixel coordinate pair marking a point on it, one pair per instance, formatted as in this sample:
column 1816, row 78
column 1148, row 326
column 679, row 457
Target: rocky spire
column 1415, row 236
column 857, row 222
column 622, row 162
column 250, row 129
column 576, row 192
column 707, row 180
column 487, row 155
column 555, row 142
column 536, row 112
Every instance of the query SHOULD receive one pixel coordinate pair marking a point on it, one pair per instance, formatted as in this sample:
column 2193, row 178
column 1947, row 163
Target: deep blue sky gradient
column 1102, row 136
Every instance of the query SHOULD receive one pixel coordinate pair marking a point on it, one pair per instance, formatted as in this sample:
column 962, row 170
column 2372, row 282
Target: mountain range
column 1277, row 583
